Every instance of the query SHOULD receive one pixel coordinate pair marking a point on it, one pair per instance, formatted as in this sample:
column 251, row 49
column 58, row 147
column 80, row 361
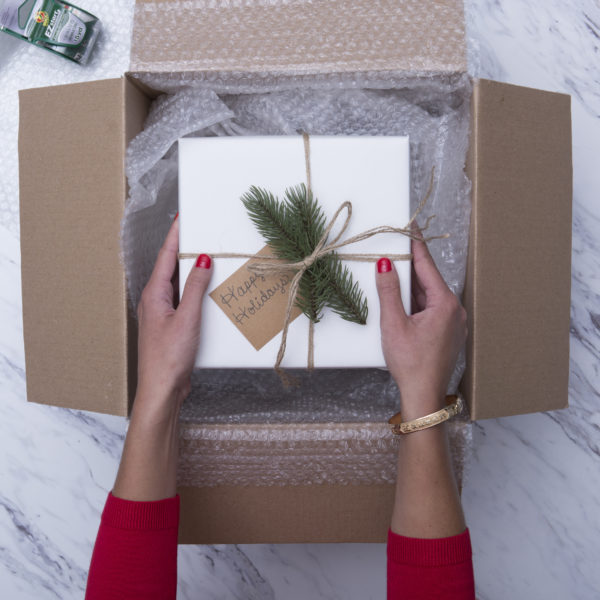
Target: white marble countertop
column 531, row 497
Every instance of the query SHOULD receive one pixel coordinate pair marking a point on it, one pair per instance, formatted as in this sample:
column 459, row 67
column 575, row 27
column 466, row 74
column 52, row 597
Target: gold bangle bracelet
column 454, row 406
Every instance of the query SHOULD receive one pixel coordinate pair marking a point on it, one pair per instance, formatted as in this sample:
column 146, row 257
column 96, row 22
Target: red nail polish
column 384, row 265
column 175, row 217
column 203, row 261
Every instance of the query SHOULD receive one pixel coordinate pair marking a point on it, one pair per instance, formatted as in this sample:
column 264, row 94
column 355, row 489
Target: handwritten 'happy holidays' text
column 247, row 299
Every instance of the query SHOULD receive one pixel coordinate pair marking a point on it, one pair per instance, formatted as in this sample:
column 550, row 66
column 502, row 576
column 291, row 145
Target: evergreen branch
column 293, row 229
column 306, row 217
column 276, row 223
column 273, row 222
column 308, row 224
column 309, row 300
column 345, row 296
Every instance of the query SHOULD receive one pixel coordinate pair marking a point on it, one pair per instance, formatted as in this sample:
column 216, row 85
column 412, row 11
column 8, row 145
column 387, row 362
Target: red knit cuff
column 429, row 552
column 127, row 514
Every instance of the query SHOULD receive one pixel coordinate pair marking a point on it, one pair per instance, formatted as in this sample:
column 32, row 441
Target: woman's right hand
column 420, row 350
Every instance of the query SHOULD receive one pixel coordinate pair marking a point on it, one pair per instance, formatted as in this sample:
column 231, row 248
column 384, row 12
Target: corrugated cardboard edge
column 78, row 329
column 290, row 514
column 137, row 105
column 521, row 168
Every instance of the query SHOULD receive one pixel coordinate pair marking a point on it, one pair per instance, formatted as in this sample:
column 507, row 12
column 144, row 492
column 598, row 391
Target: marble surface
column 532, row 496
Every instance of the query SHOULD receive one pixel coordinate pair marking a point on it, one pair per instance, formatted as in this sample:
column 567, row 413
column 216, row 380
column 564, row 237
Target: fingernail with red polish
column 175, row 217
column 203, row 261
column 384, row 265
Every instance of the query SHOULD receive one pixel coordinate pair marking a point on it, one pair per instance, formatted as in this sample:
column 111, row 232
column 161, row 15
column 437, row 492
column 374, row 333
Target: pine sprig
column 345, row 298
column 306, row 217
column 278, row 222
column 307, row 222
column 293, row 229
column 309, row 300
column 273, row 222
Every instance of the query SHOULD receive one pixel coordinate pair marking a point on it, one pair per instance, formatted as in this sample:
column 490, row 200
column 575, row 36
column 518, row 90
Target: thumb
column 195, row 287
column 388, row 288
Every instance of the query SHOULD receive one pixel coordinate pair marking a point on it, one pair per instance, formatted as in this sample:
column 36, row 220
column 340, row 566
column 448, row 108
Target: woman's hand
column 420, row 350
column 168, row 335
column 167, row 346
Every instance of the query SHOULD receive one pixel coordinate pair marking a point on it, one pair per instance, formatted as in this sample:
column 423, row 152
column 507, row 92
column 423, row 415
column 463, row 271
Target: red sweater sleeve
column 135, row 555
column 430, row 569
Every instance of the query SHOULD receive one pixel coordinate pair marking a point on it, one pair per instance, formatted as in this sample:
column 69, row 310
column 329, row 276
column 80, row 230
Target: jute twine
column 268, row 265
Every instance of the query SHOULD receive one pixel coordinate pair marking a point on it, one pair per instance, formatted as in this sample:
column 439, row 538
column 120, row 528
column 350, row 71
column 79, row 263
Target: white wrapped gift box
column 371, row 172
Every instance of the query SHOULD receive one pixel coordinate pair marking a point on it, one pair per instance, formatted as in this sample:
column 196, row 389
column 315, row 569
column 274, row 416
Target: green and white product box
column 58, row 27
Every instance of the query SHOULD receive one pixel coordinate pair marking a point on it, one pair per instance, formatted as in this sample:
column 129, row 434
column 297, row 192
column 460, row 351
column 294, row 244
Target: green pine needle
column 306, row 217
column 293, row 229
column 346, row 298
column 272, row 221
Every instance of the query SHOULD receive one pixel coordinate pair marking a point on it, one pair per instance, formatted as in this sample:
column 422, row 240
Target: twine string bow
column 268, row 265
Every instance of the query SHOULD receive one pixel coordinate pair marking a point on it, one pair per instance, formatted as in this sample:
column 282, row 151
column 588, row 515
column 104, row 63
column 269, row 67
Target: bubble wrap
column 299, row 454
column 241, row 426
column 291, row 42
column 25, row 66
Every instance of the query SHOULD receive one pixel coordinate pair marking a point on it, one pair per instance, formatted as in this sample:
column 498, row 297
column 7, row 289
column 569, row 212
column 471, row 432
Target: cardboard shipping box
column 80, row 333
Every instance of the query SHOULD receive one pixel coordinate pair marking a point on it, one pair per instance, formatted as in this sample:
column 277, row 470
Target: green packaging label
column 59, row 27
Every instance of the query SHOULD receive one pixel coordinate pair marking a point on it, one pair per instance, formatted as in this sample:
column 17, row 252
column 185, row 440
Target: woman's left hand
column 168, row 334
column 167, row 345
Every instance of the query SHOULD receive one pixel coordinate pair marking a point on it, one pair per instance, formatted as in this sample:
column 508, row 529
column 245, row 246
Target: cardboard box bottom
column 285, row 514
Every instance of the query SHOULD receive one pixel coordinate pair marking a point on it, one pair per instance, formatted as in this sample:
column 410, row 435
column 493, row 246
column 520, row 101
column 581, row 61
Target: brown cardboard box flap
column 79, row 346
column 519, row 274
column 285, row 514
column 299, row 37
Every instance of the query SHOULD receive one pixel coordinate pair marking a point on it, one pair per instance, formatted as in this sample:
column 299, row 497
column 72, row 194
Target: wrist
column 154, row 406
column 419, row 403
column 162, row 382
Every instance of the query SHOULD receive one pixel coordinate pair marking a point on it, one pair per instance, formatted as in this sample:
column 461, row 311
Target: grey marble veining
column 532, row 496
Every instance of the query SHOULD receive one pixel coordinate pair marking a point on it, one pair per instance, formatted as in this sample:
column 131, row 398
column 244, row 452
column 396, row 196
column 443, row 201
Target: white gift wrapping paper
column 370, row 171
